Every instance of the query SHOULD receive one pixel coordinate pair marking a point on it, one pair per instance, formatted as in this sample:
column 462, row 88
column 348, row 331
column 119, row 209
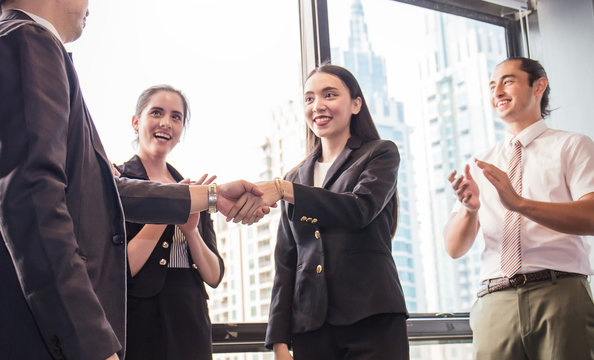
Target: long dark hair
column 535, row 71
column 362, row 125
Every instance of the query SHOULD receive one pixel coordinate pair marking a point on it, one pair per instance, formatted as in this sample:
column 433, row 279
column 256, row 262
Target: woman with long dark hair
column 336, row 291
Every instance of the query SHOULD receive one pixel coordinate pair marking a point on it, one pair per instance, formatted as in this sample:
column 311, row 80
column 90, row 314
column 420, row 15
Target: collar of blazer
column 134, row 169
column 12, row 14
column 306, row 169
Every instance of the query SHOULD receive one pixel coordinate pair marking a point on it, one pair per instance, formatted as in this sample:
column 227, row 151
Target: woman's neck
column 332, row 147
column 156, row 167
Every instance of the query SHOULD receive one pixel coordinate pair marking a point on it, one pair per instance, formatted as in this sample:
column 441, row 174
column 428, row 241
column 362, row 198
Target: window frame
column 422, row 329
column 315, row 38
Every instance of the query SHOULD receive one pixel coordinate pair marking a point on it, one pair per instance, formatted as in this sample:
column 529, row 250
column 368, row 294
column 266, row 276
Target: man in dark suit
column 62, row 254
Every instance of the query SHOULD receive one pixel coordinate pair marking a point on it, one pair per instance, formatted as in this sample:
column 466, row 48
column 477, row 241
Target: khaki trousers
column 546, row 320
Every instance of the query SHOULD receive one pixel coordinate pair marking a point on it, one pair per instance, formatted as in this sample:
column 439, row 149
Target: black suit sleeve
column 34, row 219
column 353, row 210
column 285, row 259
column 151, row 202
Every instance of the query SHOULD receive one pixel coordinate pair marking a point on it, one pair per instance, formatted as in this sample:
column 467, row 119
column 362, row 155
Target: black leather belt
column 519, row 280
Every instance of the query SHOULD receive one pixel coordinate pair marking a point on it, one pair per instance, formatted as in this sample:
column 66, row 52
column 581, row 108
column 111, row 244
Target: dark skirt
column 173, row 324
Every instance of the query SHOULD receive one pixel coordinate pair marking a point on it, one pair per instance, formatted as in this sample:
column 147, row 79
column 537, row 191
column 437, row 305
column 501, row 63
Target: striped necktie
column 511, row 257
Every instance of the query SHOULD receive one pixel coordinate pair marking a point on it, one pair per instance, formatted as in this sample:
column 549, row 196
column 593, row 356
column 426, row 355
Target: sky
column 235, row 60
column 234, row 70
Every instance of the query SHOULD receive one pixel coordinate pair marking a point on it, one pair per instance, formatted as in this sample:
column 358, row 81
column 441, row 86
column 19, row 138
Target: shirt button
column 117, row 239
column 163, row 262
column 319, row 269
column 317, row 234
column 165, row 245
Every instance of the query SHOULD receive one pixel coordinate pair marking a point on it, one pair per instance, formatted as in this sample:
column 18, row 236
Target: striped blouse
column 178, row 257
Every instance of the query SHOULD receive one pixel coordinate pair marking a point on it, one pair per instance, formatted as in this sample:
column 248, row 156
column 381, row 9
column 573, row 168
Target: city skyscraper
column 244, row 293
column 458, row 123
column 388, row 115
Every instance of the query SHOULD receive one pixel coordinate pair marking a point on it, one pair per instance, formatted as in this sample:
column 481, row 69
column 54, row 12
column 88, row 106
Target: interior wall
column 563, row 41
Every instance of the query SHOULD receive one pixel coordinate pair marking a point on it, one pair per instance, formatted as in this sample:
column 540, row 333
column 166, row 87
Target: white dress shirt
column 557, row 166
column 320, row 171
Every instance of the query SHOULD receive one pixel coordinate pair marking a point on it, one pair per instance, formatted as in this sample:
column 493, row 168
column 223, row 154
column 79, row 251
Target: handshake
column 240, row 201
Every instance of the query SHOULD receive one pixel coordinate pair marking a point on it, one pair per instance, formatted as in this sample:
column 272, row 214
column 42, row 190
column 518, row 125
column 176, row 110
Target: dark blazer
column 150, row 279
column 333, row 252
column 62, row 254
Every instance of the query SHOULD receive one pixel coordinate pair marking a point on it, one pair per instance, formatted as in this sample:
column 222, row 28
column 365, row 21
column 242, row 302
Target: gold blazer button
column 317, row 234
column 163, row 262
column 319, row 269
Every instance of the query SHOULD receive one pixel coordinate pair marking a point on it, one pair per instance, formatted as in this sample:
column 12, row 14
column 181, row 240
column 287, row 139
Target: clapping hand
column 508, row 196
column 466, row 189
column 192, row 222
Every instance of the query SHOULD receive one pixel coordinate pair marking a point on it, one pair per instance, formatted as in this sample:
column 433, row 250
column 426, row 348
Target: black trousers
column 172, row 325
column 378, row 337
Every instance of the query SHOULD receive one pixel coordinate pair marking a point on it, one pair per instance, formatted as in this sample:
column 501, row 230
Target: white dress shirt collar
column 528, row 134
column 41, row 21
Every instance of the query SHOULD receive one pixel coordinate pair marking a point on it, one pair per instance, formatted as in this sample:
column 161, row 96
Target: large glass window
column 239, row 64
column 433, row 66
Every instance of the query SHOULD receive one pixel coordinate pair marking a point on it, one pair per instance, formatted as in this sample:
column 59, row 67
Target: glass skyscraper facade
column 388, row 115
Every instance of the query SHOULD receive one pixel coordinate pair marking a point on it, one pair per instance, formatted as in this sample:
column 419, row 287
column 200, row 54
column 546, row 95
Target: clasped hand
column 247, row 203
column 239, row 201
column 242, row 201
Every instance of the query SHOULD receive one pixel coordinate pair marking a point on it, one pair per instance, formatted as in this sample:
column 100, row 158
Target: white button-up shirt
column 557, row 166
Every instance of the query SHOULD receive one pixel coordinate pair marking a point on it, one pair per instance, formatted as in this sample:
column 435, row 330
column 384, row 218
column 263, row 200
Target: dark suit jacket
column 150, row 279
column 333, row 253
column 62, row 254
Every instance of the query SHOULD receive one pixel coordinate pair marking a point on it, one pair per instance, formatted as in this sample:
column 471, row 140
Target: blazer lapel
column 337, row 164
column 352, row 143
column 306, row 170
